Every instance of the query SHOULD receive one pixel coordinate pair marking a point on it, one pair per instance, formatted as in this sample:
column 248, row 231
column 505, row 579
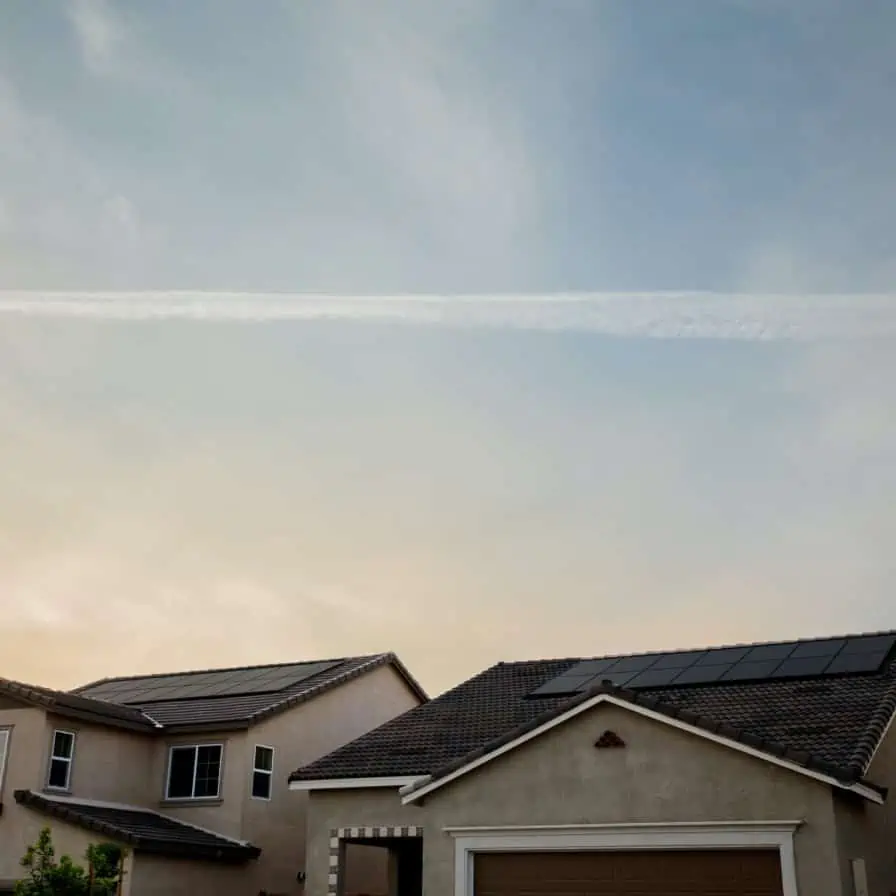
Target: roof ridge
column 99, row 681
column 678, row 650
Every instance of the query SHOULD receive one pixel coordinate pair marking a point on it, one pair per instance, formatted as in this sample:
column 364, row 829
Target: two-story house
column 186, row 771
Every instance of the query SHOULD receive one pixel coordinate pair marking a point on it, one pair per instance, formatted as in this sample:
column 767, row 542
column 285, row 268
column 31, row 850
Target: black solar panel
column 760, row 662
column 702, row 674
column 853, row 663
column 187, row 686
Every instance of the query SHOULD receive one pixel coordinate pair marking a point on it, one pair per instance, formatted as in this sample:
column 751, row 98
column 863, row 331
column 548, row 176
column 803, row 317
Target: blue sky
column 461, row 481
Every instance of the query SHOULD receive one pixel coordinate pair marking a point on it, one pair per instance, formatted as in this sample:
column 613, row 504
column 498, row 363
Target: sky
column 475, row 331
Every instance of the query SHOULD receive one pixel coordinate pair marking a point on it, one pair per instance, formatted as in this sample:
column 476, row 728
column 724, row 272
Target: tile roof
column 187, row 714
column 76, row 706
column 142, row 829
column 831, row 723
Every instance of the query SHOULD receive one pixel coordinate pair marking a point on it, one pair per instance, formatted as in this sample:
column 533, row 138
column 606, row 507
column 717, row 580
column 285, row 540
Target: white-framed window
column 262, row 772
column 194, row 772
column 5, row 734
column 62, row 755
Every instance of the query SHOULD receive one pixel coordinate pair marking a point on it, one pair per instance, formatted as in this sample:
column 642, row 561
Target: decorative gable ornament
column 609, row 740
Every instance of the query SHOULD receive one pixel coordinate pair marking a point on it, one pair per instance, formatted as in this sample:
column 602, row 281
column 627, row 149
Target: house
column 187, row 771
column 747, row 770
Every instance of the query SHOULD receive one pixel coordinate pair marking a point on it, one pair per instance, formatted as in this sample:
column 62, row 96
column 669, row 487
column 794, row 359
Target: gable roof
column 251, row 704
column 831, row 725
column 142, row 829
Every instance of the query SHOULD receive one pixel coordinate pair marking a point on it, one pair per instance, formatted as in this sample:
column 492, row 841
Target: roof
column 832, row 724
column 142, row 829
column 77, row 706
column 196, row 701
column 187, row 701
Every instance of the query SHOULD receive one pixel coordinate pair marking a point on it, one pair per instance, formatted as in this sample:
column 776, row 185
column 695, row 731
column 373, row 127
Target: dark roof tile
column 142, row 829
column 838, row 720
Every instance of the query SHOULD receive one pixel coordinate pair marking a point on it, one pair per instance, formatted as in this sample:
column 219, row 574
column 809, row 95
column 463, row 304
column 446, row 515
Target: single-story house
column 745, row 770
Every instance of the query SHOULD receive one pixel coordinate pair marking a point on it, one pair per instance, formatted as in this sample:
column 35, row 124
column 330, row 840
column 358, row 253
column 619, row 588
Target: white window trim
column 616, row 837
column 414, row 792
column 262, row 771
column 70, row 760
column 354, row 783
column 6, row 735
column 195, row 747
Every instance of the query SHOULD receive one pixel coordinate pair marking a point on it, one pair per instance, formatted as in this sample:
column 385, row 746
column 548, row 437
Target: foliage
column 49, row 877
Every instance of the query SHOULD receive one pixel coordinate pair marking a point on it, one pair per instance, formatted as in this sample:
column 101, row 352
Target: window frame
column 195, row 747
column 6, row 734
column 69, row 760
column 262, row 771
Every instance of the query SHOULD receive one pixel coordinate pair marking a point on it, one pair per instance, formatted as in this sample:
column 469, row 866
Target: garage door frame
column 624, row 837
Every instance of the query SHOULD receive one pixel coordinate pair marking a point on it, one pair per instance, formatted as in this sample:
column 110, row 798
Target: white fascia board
column 862, row 790
column 353, row 783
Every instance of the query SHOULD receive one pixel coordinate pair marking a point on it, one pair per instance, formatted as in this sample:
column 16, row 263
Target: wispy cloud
column 651, row 315
column 99, row 32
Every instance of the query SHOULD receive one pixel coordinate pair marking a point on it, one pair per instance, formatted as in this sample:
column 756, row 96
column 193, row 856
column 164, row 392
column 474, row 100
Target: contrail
column 661, row 315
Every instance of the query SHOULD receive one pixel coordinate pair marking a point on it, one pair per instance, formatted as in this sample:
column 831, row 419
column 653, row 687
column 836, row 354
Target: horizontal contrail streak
column 665, row 315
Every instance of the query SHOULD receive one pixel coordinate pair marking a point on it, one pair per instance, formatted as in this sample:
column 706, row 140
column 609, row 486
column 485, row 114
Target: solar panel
column 760, row 662
column 829, row 648
column 592, row 667
column 847, row 663
column 561, row 686
column 764, row 652
column 701, row 674
column 198, row 685
column 797, row 668
column 870, row 644
column 633, row 663
column 723, row 655
column 751, row 671
column 654, row 678
column 680, row 660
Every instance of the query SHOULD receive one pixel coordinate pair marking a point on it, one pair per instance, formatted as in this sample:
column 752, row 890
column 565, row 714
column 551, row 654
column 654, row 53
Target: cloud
column 650, row 315
column 98, row 30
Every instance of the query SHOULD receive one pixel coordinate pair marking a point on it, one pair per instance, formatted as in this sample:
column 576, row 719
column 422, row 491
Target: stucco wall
column 867, row 831
column 662, row 775
column 298, row 737
column 155, row 876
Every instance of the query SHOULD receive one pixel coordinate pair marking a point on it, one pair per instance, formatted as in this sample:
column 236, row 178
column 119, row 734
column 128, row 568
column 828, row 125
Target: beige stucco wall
column 662, row 775
column 156, row 876
column 867, row 831
column 298, row 737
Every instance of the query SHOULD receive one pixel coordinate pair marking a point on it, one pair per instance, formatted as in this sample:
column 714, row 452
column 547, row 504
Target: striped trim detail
column 338, row 836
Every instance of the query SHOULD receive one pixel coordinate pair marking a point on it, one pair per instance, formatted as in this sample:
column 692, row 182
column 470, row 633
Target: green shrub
column 48, row 877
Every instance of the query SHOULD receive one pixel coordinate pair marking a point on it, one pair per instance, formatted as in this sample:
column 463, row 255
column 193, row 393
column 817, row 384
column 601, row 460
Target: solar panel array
column 198, row 685
column 757, row 662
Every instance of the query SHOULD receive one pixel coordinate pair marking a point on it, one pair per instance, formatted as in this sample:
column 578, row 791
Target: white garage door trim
column 583, row 838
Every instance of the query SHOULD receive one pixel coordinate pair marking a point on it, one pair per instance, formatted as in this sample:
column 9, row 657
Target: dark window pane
column 261, row 785
column 208, row 770
column 59, row 773
column 63, row 744
column 180, row 774
column 264, row 759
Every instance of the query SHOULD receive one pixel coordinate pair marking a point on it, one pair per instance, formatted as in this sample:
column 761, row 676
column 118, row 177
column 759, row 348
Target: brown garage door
column 643, row 873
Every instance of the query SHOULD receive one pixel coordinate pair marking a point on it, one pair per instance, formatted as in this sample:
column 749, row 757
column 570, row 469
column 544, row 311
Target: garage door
column 644, row 873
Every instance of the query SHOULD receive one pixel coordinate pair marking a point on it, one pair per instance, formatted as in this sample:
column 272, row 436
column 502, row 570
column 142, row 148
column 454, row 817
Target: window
column 262, row 772
column 61, row 757
column 4, row 749
column 194, row 773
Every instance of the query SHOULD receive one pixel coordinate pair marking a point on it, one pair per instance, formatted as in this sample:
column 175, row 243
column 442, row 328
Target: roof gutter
column 400, row 782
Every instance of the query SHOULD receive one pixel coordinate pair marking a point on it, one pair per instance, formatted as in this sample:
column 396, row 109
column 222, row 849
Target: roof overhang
column 396, row 782
column 415, row 791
